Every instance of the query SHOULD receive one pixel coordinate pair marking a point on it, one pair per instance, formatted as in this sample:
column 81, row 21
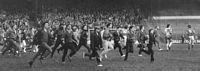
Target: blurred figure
column 168, row 35
column 157, row 35
column 107, row 41
column 191, row 35
column 12, row 39
column 117, row 37
column 59, row 35
column 84, row 38
column 141, row 39
column 43, row 42
column 130, row 42
column 70, row 43
column 96, row 40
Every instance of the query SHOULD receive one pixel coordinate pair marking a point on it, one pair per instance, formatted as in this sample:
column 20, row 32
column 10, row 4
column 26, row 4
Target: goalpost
column 177, row 21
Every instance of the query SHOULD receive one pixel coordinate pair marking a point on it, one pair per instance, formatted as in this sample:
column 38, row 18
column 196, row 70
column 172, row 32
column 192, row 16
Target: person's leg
column 16, row 45
column 189, row 44
column 151, row 52
column 6, row 49
column 73, row 48
column 95, row 53
column 108, row 47
column 45, row 45
column 120, row 48
column 35, row 56
column 79, row 45
column 157, row 44
column 105, row 49
column 24, row 45
column 55, row 47
column 87, row 47
column 45, row 54
column 192, row 44
column 127, row 51
column 64, row 54
column 170, row 43
column 142, row 50
column 90, row 55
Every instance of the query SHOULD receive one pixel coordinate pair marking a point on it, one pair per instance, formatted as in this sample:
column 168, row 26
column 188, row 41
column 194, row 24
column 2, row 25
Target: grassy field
column 178, row 59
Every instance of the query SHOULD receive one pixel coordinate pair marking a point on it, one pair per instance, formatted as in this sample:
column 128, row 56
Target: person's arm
column 139, row 37
column 165, row 30
column 121, row 35
column 75, row 38
column 84, row 35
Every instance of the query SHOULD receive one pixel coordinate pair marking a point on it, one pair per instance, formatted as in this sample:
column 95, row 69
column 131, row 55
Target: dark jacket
column 95, row 39
column 59, row 34
column 117, row 36
column 45, row 36
column 131, row 37
column 84, row 36
column 152, row 38
column 141, row 37
column 68, row 37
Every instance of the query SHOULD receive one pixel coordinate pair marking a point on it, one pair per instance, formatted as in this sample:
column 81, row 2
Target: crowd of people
column 100, row 32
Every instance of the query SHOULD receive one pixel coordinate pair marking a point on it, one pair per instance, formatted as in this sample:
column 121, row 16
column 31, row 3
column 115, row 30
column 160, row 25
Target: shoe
column 139, row 55
column 30, row 63
column 123, row 55
column 63, row 62
column 106, row 56
column 160, row 49
column 99, row 65
column 152, row 60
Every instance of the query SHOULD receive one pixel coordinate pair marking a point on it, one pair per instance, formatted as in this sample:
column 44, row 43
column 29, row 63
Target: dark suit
column 117, row 36
column 43, row 37
column 96, row 42
column 60, row 35
column 45, row 48
column 141, row 39
column 83, row 40
column 150, row 45
column 69, row 44
column 129, row 43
